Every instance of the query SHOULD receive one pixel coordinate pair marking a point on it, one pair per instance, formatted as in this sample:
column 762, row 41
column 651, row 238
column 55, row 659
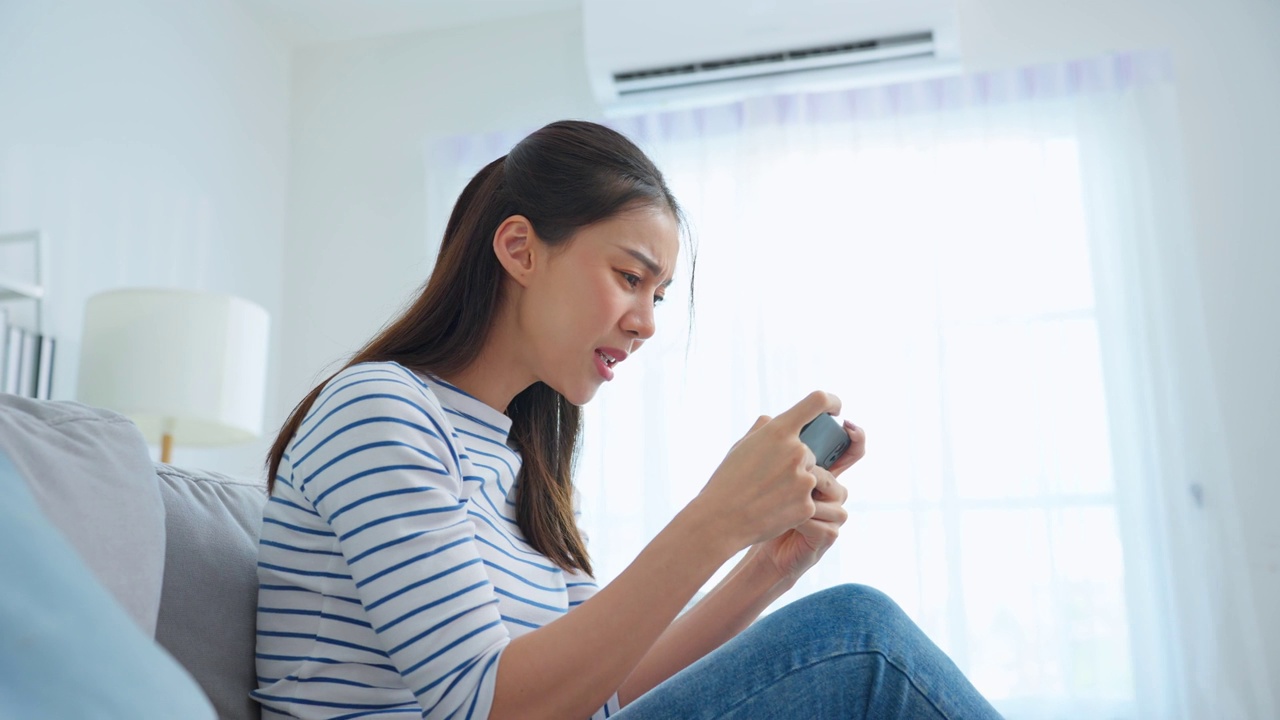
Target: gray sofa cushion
column 67, row 648
column 91, row 474
column 208, row 611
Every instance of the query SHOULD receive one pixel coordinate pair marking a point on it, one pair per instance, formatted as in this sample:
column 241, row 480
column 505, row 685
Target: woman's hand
column 793, row 552
column 765, row 485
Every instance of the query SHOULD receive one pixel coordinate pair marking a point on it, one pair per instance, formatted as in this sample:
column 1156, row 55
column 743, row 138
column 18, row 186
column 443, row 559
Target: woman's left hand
column 795, row 551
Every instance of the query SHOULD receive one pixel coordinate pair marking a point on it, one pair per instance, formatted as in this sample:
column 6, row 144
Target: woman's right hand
column 764, row 486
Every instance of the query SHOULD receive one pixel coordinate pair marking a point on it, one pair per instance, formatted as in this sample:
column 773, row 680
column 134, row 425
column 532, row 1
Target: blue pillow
column 67, row 648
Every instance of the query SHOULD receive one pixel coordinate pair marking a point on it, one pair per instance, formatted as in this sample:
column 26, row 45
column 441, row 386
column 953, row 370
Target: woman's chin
column 579, row 394
column 582, row 398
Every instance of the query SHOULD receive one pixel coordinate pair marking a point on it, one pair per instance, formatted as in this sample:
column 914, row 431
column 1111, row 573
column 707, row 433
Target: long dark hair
column 563, row 177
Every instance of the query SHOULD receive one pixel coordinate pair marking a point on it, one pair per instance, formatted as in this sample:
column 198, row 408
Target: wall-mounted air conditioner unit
column 657, row 54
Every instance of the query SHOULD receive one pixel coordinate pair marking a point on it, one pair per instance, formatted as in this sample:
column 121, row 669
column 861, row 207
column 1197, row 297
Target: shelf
column 30, row 236
column 32, row 289
column 10, row 290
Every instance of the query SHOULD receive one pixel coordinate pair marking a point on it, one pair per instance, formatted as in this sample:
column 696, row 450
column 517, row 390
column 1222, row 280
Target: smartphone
column 826, row 437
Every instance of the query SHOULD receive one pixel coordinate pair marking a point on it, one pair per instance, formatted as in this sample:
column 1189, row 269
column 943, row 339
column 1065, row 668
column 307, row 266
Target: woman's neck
column 496, row 376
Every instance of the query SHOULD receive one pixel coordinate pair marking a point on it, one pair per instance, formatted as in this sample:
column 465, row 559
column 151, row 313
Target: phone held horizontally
column 826, row 437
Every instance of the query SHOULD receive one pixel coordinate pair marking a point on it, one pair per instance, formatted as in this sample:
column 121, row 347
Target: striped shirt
column 391, row 571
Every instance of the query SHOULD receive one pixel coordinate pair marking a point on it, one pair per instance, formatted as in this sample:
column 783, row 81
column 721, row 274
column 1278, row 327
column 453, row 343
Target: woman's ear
column 516, row 246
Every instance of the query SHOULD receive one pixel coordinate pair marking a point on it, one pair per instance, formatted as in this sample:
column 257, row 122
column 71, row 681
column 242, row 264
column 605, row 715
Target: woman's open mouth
column 606, row 358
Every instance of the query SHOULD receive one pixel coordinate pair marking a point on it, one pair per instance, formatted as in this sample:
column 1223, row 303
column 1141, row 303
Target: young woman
column 420, row 554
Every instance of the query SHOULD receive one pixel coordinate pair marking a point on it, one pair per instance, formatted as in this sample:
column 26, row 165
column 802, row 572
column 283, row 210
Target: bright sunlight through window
column 943, row 290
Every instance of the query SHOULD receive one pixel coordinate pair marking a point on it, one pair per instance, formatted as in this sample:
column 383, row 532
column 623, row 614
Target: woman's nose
column 639, row 323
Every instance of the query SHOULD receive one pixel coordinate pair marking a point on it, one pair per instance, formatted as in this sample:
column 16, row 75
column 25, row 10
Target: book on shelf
column 30, row 355
column 4, row 350
column 4, row 344
column 26, row 360
column 12, row 359
column 44, row 368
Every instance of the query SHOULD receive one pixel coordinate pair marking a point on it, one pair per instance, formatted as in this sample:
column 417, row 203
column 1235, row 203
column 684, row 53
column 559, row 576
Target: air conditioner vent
column 783, row 61
column 666, row 54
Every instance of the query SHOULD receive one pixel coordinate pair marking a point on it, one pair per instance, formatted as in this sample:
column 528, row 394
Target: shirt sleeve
column 377, row 460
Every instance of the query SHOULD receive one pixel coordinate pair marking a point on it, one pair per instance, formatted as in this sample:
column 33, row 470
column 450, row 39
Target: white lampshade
column 191, row 363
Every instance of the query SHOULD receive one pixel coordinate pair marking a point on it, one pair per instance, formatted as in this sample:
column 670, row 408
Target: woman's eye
column 657, row 299
column 632, row 280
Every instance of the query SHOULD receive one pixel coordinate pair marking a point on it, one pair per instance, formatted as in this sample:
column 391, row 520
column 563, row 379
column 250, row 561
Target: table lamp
column 187, row 367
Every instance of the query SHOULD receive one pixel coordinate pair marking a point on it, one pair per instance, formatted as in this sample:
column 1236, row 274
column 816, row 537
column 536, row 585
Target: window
column 940, row 283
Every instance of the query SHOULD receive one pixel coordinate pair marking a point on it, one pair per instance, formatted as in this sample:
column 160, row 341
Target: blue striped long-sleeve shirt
column 392, row 573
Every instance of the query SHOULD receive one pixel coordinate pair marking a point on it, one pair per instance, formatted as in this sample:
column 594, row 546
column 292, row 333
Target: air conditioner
column 657, row 54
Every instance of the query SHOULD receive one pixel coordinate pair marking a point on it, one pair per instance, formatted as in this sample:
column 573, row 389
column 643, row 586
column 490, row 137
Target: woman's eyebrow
column 650, row 264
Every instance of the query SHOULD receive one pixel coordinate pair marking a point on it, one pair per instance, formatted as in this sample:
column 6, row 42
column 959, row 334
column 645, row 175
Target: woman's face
column 591, row 304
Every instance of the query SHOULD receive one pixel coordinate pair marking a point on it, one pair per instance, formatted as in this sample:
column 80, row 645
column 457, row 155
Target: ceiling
column 310, row 22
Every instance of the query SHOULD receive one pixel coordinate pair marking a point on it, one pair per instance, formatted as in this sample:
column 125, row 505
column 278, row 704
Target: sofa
column 175, row 549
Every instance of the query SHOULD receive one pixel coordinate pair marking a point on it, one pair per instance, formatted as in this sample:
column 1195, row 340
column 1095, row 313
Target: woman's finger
column 856, row 450
column 803, row 412
column 828, row 487
column 830, row 512
column 820, row 534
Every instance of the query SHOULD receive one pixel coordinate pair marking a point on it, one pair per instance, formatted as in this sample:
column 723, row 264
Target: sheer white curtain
column 993, row 273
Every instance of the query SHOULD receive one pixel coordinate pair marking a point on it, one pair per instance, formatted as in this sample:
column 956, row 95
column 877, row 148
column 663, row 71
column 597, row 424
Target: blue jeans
column 846, row 652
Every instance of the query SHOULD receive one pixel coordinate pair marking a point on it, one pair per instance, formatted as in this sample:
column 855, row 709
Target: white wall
column 363, row 113
column 149, row 141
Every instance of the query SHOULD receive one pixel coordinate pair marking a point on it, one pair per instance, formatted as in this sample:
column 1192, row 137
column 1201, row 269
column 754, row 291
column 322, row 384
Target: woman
column 420, row 553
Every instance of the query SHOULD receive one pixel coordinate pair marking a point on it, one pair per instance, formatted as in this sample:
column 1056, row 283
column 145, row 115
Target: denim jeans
column 846, row 652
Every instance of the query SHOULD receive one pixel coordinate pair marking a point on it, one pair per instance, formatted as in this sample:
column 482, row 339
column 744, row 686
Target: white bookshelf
column 29, row 285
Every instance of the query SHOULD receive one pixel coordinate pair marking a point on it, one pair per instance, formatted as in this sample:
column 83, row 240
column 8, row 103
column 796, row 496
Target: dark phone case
column 826, row 438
